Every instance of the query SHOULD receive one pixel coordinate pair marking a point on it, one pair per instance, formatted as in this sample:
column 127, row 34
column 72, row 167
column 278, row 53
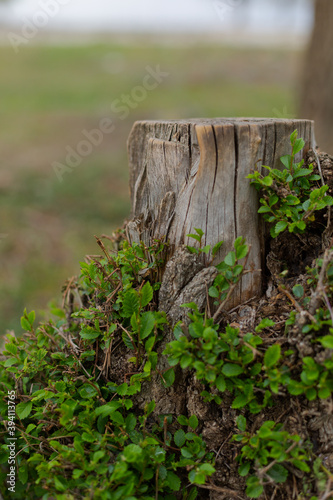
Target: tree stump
column 190, row 174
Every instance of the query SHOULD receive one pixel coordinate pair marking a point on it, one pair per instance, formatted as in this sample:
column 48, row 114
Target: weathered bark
column 316, row 97
column 192, row 174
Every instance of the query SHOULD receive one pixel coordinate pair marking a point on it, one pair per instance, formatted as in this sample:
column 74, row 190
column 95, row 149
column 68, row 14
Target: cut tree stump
column 190, row 174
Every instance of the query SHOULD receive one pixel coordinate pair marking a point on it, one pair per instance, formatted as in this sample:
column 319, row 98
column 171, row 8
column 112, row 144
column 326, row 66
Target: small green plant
column 80, row 431
column 76, row 429
column 230, row 271
column 290, row 197
column 198, row 235
column 266, row 453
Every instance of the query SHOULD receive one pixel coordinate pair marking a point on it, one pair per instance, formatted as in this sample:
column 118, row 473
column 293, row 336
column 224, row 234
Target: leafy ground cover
column 254, row 384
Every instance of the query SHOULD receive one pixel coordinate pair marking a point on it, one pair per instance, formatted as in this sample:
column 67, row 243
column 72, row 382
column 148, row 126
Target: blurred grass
column 50, row 94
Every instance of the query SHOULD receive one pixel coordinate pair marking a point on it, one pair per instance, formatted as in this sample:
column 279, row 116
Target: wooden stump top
column 187, row 174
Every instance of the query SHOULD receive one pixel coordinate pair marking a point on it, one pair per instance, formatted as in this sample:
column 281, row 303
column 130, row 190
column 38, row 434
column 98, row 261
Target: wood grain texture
column 192, row 174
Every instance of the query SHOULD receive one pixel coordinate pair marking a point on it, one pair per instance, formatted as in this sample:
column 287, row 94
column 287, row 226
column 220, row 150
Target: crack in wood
column 192, row 173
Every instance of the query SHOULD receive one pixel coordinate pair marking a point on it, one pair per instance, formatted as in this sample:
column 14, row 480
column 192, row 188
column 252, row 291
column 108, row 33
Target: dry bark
column 192, row 174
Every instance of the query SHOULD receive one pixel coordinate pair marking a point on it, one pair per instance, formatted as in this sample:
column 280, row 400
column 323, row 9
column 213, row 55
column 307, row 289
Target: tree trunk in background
column 192, row 174
column 317, row 91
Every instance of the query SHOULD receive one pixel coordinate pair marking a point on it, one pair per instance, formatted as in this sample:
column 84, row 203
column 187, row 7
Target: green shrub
column 79, row 432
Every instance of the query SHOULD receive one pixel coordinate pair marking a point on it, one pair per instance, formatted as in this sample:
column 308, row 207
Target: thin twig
column 319, row 167
column 317, row 296
column 269, row 466
column 296, row 304
column 207, row 299
column 226, row 491
column 231, row 290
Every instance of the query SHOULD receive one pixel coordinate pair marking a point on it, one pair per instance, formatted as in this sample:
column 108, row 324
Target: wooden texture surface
column 192, row 174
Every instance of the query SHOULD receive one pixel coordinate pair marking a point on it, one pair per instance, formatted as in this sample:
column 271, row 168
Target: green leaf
column 280, row 226
column 301, row 225
column 254, row 488
column 244, row 469
column 117, row 417
column 195, row 237
column 108, row 408
column 241, row 423
column 311, row 394
column 89, row 333
column 146, row 294
column 242, row 251
column 130, row 303
column 87, row 391
column 293, row 137
column 193, row 494
column 230, row 259
column 199, row 231
column 23, row 474
column 132, row 452
column 324, row 393
column 147, row 324
column 298, row 291
column 298, row 146
column 149, row 408
column 213, row 292
column 286, row 160
column 31, row 317
column 292, row 200
column 25, row 324
column 240, row 401
column 220, row 383
column 267, row 181
column 23, row 410
column 272, row 355
column 10, row 362
column 300, row 465
column 216, row 248
column 326, row 341
column 127, row 341
column 278, row 473
column 185, row 360
column 193, row 422
column 11, row 348
column 302, row 172
column 264, row 210
column 231, row 370
column 206, row 249
column 169, row 377
column 264, row 323
column 182, row 420
column 179, row 438
column 173, row 481
column 122, row 389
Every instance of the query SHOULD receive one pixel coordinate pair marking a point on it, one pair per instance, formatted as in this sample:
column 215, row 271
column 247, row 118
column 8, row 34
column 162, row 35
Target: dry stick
column 327, row 493
column 269, row 466
column 319, row 167
column 226, row 491
column 317, row 296
column 296, row 304
column 207, row 299
column 329, row 307
column 231, row 289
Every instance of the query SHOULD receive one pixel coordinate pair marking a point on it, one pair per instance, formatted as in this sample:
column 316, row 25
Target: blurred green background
column 49, row 94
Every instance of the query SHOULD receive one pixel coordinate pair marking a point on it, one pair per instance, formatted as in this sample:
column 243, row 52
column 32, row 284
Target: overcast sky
column 166, row 14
